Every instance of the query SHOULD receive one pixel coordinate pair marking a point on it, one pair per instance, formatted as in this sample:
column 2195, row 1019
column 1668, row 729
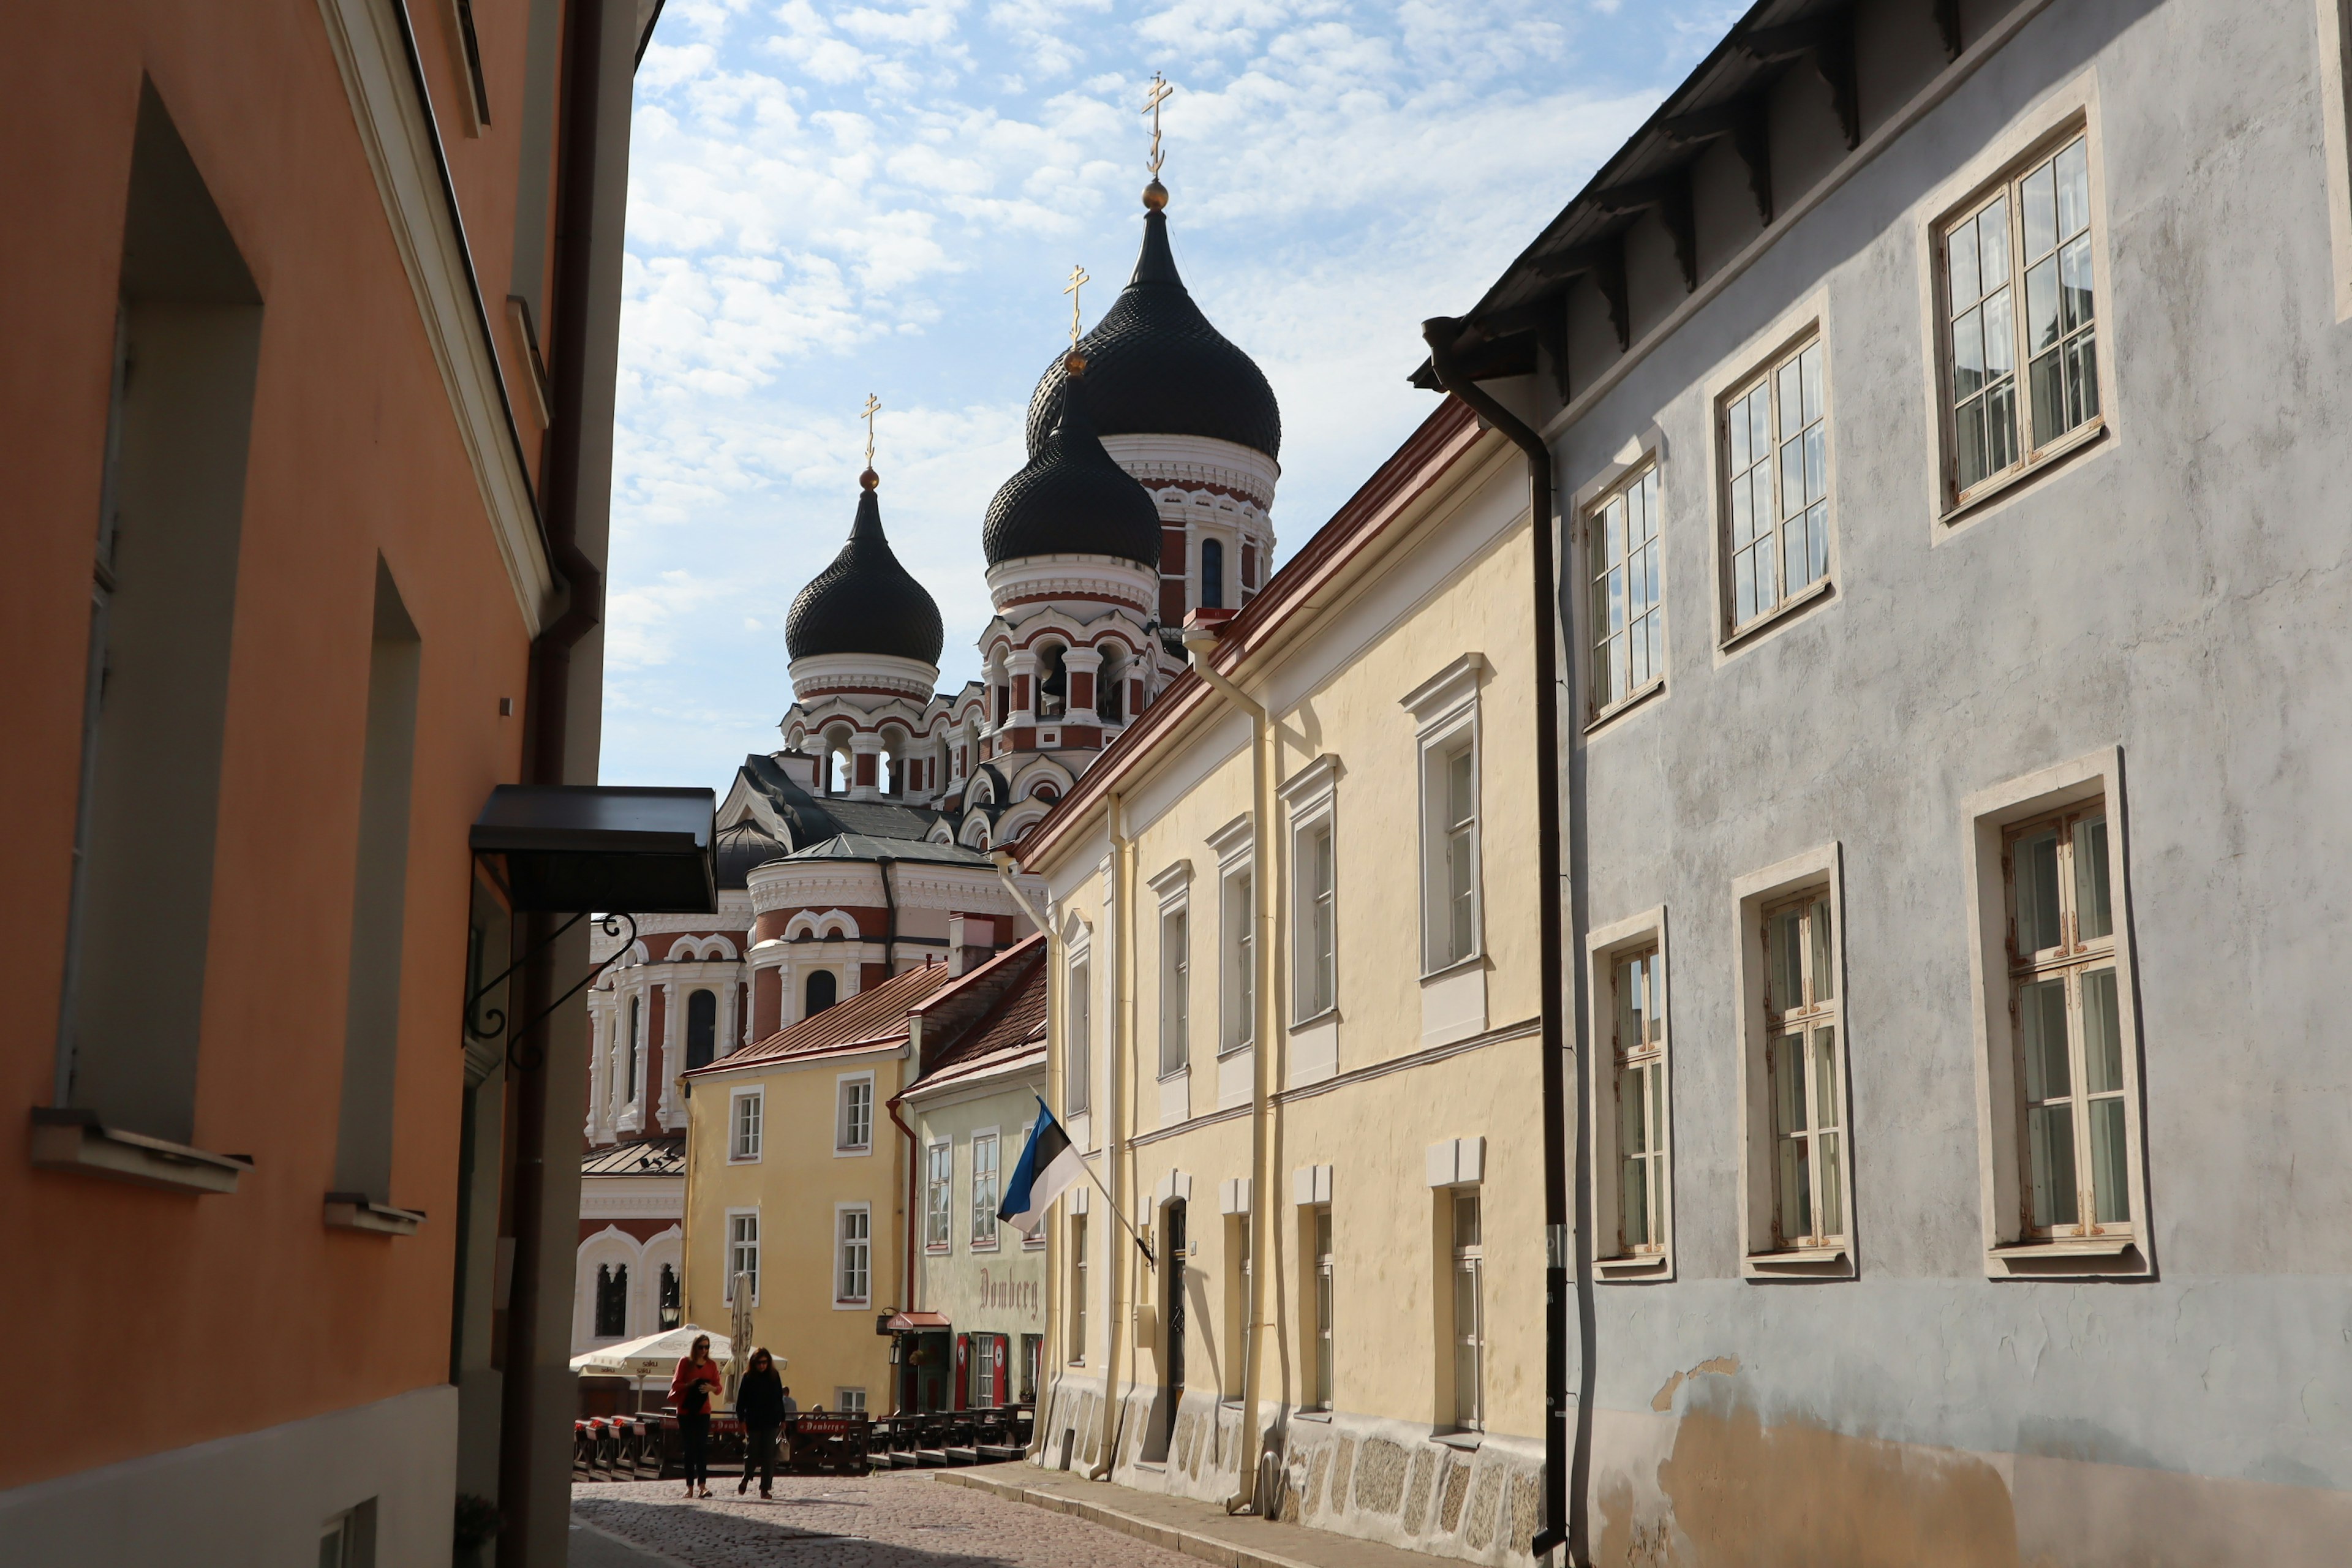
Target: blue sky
column 828, row 200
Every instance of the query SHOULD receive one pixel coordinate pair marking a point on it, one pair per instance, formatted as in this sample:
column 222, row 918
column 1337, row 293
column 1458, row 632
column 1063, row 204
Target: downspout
column 1566, row 1464
column 1054, row 1053
column 1200, row 644
column 914, row 1174
column 883, row 863
column 1122, row 850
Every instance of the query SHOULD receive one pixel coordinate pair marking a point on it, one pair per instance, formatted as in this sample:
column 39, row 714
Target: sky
column 832, row 200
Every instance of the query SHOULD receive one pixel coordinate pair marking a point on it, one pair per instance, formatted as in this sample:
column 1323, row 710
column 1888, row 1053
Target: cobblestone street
column 885, row 1521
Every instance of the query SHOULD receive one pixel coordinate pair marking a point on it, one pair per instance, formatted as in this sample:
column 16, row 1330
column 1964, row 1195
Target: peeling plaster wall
column 2182, row 593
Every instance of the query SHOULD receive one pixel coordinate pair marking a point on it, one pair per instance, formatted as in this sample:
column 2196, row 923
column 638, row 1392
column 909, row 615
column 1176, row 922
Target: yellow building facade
column 1359, row 1105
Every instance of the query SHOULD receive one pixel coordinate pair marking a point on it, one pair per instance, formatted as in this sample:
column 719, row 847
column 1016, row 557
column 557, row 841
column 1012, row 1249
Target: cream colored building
column 1373, row 1131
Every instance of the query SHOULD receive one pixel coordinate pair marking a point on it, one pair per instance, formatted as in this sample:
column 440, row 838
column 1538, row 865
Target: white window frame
column 849, row 1401
column 1765, row 374
column 2122, row 1250
column 742, row 1103
column 1312, row 799
column 844, row 1087
column 1078, row 1266
column 729, row 1257
column 1605, row 948
column 2335, row 123
column 984, row 1234
column 1471, row 1257
column 1323, row 1376
column 1077, row 1035
column 1445, row 711
column 1639, row 490
column 1818, row 871
column 842, row 1244
column 1236, row 936
column 1174, row 888
column 938, row 1197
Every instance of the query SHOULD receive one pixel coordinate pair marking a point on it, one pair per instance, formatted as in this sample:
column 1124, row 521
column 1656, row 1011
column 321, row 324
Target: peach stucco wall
column 168, row 1319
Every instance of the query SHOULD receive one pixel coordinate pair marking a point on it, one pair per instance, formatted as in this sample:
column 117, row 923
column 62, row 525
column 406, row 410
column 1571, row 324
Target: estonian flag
column 1046, row 1166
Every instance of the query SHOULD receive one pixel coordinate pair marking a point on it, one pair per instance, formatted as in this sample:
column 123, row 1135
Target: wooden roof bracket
column 1947, row 24
column 1669, row 194
column 1604, row 260
column 1742, row 120
column 1829, row 39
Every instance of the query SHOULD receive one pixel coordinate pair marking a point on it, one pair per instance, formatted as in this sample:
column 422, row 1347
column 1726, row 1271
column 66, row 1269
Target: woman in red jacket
column 691, row 1391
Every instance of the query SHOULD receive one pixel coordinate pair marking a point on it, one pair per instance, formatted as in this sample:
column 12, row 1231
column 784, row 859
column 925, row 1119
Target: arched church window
column 629, row 1083
column 611, row 1300
column 1110, row 689
column 836, row 772
column 673, row 1313
column 1053, row 682
column 820, row 992
column 701, row 1028
column 1213, row 574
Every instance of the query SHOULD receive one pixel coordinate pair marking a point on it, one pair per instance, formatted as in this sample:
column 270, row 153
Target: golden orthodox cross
column 1078, row 280
column 872, row 407
column 1152, row 98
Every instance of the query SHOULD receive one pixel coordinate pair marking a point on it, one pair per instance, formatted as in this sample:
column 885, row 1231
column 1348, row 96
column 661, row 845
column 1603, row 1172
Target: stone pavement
column 892, row 1519
column 1198, row 1530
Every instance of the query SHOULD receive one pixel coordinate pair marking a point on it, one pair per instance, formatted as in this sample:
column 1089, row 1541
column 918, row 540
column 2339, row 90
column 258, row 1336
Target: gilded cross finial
column 1078, row 280
column 872, row 407
column 1156, row 95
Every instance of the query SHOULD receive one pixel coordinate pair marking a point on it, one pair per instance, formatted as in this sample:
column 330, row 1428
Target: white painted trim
column 1601, row 945
column 840, row 1095
column 758, row 1093
column 2335, row 122
column 840, row 1302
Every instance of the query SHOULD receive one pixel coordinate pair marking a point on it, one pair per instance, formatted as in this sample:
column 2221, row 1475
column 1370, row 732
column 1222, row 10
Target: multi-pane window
column 1078, row 1287
column 748, row 1110
column 1175, row 982
column 1033, row 1366
column 1240, row 988
column 854, row 1129
column 1805, row 1072
column 1469, row 1313
column 983, row 1189
column 849, row 1401
column 1237, row 1302
column 1322, row 1390
column 2065, row 1004
column 854, row 1254
column 939, row 1173
column 1319, row 925
column 2036, row 229
column 1628, row 623
column 743, row 1253
column 987, row 1352
column 1777, row 437
column 1078, row 1042
column 1639, row 1060
column 1457, row 914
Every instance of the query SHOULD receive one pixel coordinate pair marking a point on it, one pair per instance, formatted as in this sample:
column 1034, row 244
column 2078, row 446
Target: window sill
column 1989, row 490
column 860, row 1306
column 930, row 1251
column 356, row 1211
column 743, row 1159
column 1321, row 1413
column 1642, row 1266
column 1329, row 1015
column 1465, row 1439
column 67, row 1138
column 1831, row 1261
column 981, row 1247
column 2120, row 1255
column 1476, row 960
column 1786, row 607
column 1625, row 705
column 1175, row 1073
column 858, row 1152
column 1226, row 1053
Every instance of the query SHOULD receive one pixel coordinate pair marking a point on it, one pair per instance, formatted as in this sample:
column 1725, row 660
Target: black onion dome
column 864, row 602
column 1073, row 497
column 741, row 846
column 1156, row 367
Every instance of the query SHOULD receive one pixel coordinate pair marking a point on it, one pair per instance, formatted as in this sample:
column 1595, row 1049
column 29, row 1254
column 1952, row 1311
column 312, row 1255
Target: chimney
column 972, row 941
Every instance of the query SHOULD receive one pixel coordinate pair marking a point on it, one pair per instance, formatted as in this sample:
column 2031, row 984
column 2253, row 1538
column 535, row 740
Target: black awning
column 573, row 848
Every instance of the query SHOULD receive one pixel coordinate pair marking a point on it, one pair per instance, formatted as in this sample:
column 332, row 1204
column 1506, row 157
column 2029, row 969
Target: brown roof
column 663, row 1156
column 874, row 1017
column 1017, row 1028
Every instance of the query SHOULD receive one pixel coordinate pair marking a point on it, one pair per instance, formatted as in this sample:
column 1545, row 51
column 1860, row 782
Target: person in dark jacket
column 690, row 1393
column 760, row 1403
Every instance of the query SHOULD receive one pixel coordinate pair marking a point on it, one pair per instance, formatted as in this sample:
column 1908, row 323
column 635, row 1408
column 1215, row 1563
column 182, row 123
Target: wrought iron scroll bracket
column 611, row 926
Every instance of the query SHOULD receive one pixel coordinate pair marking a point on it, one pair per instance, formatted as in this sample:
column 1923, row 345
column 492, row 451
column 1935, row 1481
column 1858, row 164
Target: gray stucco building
column 1948, row 407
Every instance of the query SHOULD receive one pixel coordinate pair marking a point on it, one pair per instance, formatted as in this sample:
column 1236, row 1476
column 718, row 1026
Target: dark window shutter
column 1002, row 1357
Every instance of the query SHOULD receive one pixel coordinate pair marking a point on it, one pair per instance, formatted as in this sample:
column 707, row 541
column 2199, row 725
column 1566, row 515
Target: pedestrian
column 691, row 1390
column 791, row 1408
column 759, row 1402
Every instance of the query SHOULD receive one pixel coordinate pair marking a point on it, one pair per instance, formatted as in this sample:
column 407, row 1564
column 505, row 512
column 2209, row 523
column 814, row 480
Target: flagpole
column 1140, row 1245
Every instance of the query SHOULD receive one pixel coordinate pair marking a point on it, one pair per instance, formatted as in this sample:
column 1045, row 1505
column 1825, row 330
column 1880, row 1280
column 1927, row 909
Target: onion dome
column 864, row 602
column 1156, row 367
column 1073, row 497
column 740, row 845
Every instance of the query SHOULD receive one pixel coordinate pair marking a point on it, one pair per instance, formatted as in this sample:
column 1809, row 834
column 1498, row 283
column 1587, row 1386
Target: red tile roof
column 1017, row 1028
column 874, row 1017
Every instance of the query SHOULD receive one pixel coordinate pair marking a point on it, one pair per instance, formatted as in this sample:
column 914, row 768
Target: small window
column 1628, row 614
column 1449, row 850
column 629, row 1069
column 701, row 1027
column 1321, row 1255
column 2019, row 292
column 749, row 1107
column 1776, row 439
column 849, row 1401
column 820, row 992
column 1175, row 985
column 1469, row 1327
column 743, row 1253
column 938, row 1184
column 673, row 1311
column 1237, row 913
column 1317, row 922
column 1238, row 1301
column 1638, row 1074
column 1804, row 1068
column 1078, row 1287
column 984, row 1222
column 1077, row 1041
column 854, row 1125
column 1213, row 574
column 1033, row 1367
column 853, row 1253
column 611, row 1300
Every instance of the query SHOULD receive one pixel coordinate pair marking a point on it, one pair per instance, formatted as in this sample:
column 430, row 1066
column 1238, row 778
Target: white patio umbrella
column 654, row 1355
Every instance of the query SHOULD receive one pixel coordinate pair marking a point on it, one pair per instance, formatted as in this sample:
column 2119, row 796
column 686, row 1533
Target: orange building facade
column 310, row 312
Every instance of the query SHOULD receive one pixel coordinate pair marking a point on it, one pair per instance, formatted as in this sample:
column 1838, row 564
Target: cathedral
column 859, row 849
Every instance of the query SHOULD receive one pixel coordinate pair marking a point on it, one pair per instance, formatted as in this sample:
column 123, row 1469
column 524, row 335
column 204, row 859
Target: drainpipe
column 914, row 1188
column 1053, row 1004
column 1564, row 1493
column 1200, row 645
column 1122, row 851
column 884, row 864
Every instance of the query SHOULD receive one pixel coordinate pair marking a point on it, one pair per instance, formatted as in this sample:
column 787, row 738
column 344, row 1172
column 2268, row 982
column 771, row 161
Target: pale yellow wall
column 982, row 1290
column 1458, row 585
column 794, row 1184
